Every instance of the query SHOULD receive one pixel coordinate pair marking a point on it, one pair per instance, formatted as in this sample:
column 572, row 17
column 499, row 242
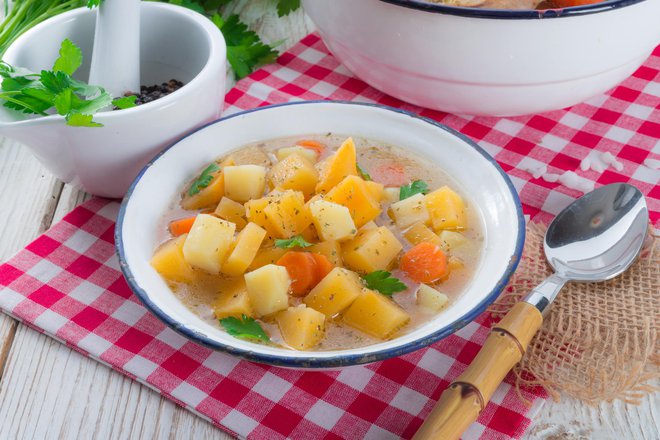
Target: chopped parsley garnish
column 363, row 173
column 244, row 328
column 384, row 282
column 416, row 187
column 297, row 241
column 203, row 180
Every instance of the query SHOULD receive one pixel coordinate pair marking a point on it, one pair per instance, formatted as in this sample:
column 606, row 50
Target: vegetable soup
column 320, row 243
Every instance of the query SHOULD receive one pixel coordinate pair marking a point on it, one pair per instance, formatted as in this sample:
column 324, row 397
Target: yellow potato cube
column 353, row 193
column 372, row 249
column 375, row 315
column 244, row 182
column 169, row 262
column 447, row 209
column 286, row 213
column 296, row 173
column 431, row 299
column 268, row 289
column 208, row 196
column 410, row 211
column 301, row 327
column 377, row 190
column 208, row 243
column 332, row 221
column 335, row 292
column 266, row 256
column 391, row 195
column 419, row 233
column 451, row 240
column 307, row 153
column 336, row 167
column 231, row 211
column 245, row 249
column 254, row 212
column 309, row 234
column 233, row 300
column 330, row 249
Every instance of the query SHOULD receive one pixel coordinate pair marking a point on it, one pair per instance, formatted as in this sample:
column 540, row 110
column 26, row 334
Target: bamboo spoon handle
column 461, row 403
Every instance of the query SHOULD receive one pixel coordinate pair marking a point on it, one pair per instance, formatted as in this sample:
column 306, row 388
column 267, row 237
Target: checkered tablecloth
column 67, row 283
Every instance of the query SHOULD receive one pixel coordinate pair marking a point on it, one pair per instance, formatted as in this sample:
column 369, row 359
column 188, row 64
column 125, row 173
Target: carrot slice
column 323, row 267
column 301, row 267
column 424, row 263
column 181, row 226
column 312, row 145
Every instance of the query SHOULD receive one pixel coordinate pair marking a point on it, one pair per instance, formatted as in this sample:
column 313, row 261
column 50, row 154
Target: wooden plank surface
column 48, row 390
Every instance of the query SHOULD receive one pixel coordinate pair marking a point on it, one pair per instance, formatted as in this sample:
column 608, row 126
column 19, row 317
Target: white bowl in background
column 477, row 174
column 176, row 43
column 488, row 62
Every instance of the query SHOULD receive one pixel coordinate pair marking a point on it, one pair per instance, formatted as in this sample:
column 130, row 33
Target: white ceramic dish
column 175, row 43
column 478, row 175
column 488, row 62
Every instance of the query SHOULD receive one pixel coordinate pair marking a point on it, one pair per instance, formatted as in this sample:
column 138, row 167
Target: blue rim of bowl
column 311, row 362
column 512, row 14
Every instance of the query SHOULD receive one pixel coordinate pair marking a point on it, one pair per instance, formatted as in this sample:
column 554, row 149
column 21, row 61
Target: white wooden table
column 49, row 391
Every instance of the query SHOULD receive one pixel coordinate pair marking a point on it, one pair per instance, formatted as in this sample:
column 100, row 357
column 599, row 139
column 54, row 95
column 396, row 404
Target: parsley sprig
column 415, row 187
column 244, row 328
column 384, row 282
column 203, row 180
column 363, row 173
column 297, row 241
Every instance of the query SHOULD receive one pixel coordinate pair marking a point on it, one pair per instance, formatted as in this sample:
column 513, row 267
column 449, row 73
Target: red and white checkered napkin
column 67, row 283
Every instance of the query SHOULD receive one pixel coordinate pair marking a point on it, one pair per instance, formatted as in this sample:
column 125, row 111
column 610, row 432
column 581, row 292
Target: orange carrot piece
column 392, row 174
column 312, row 145
column 301, row 267
column 323, row 267
column 181, row 226
column 424, row 263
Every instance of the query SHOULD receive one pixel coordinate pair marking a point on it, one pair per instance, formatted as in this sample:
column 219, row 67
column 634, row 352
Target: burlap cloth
column 599, row 341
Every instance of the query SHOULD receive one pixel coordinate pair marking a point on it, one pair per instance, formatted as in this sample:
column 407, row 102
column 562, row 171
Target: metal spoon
column 596, row 238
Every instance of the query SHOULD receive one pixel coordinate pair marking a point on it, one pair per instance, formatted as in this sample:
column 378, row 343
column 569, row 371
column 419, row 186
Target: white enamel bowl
column 175, row 43
column 479, row 177
column 487, row 62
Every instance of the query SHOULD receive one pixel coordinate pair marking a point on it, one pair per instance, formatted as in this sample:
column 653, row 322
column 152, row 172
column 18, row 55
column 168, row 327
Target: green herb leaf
column 285, row 7
column 203, row 180
column 244, row 328
column 383, row 282
column 70, row 58
column 63, row 102
column 363, row 172
column 297, row 241
column 80, row 120
column 91, row 4
column 125, row 102
column 416, row 187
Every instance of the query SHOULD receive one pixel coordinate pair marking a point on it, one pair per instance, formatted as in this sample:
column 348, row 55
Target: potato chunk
column 169, row 262
column 307, row 153
column 447, row 209
column 244, row 182
column 245, row 249
column 431, row 299
column 375, row 315
column 410, row 211
column 286, row 213
column 301, row 327
column 330, row 249
column 335, row 292
column 267, row 255
column 332, row 221
column 208, row 243
column 296, row 173
column 211, row 194
column 268, row 289
column 231, row 211
column 451, row 240
column 419, row 233
column 373, row 249
column 353, row 193
column 233, row 300
column 391, row 194
column 336, row 167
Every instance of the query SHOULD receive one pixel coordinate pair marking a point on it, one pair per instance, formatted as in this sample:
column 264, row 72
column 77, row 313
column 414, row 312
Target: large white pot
column 175, row 43
column 485, row 62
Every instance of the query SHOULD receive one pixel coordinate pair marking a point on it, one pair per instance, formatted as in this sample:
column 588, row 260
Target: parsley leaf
column 297, row 241
column 80, row 120
column 382, row 281
column 125, row 102
column 285, row 7
column 363, row 173
column 70, row 58
column 203, row 180
column 93, row 3
column 244, row 328
column 416, row 187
